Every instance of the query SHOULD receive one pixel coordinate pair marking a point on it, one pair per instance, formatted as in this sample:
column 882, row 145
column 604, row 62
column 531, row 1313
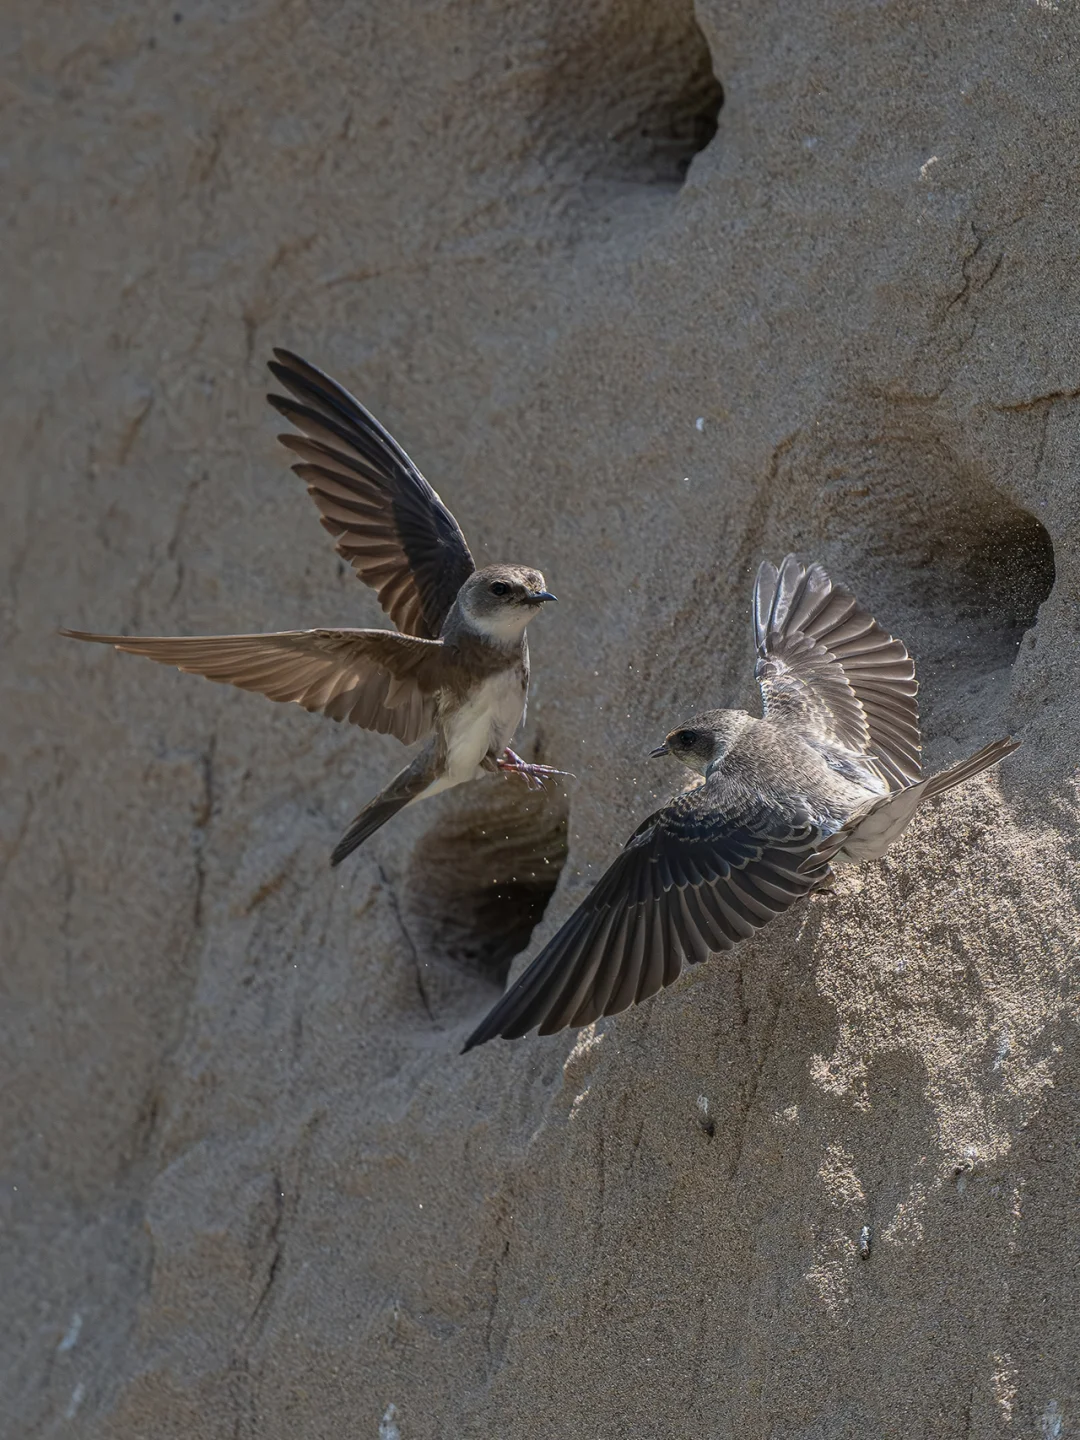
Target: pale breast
column 484, row 724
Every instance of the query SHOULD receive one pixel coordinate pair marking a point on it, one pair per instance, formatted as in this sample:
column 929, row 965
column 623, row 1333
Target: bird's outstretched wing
column 692, row 879
column 373, row 678
column 390, row 524
column 825, row 664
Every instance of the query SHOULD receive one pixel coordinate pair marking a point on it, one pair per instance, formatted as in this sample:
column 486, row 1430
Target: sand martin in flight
column 829, row 774
column 456, row 675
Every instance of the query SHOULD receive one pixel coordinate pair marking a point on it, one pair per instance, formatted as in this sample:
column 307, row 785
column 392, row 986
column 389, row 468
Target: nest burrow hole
column 481, row 878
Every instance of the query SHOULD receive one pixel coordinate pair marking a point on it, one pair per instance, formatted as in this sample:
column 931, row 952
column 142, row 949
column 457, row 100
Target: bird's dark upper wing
column 825, row 662
column 694, row 878
column 390, row 524
column 373, row 678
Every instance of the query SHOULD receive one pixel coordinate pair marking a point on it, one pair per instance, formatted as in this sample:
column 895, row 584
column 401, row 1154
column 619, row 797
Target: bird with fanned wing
column 830, row 774
column 456, row 672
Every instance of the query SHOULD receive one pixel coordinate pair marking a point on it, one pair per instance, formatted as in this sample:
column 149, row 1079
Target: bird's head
column 706, row 738
column 500, row 600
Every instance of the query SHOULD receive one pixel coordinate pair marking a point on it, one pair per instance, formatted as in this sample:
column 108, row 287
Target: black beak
column 660, row 750
column 537, row 597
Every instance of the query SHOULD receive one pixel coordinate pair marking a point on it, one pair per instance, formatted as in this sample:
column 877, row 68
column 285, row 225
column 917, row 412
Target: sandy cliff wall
column 249, row 1188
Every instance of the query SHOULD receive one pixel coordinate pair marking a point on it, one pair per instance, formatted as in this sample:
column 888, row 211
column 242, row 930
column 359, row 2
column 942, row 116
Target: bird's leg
column 533, row 775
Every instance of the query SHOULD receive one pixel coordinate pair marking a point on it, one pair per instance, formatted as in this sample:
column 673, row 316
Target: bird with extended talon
column 829, row 774
column 456, row 674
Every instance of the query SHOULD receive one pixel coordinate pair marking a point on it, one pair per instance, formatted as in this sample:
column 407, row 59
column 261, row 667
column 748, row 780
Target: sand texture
column 825, row 1188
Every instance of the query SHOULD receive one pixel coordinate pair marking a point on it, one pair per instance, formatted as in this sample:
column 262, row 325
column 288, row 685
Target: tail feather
column 981, row 760
column 408, row 785
column 374, row 815
column 868, row 834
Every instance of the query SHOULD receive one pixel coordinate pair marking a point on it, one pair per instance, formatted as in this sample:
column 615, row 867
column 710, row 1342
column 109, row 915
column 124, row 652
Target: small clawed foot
column 533, row 775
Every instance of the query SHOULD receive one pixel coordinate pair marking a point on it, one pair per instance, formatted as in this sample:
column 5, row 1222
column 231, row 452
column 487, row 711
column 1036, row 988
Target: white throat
column 505, row 627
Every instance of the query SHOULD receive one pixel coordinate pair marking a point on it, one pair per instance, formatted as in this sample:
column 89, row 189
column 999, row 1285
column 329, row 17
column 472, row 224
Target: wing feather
column 390, row 525
column 825, row 663
column 695, row 878
column 373, row 678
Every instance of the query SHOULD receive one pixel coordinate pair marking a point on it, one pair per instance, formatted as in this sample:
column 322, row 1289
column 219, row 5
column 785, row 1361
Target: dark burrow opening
column 981, row 570
column 673, row 127
column 631, row 91
column 1004, row 565
column 480, row 881
column 963, row 568
column 991, row 567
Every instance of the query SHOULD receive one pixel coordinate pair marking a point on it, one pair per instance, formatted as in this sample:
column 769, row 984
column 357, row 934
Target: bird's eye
column 686, row 739
column 499, row 588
